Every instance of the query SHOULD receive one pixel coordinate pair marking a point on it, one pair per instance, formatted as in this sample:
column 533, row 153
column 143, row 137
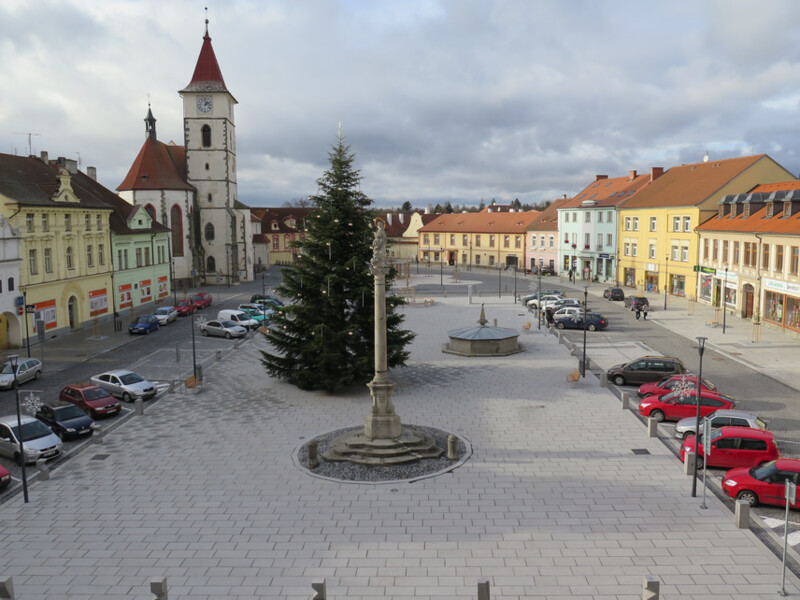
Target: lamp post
column 14, row 360
column 515, row 280
column 27, row 335
column 263, row 284
column 724, row 299
column 469, row 265
column 441, row 267
column 583, row 357
column 172, row 281
column 539, row 292
column 701, row 346
column 499, row 279
column 666, row 279
column 194, row 351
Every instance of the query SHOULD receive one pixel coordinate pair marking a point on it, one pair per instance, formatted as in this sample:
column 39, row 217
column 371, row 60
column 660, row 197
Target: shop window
column 793, row 312
column 774, row 307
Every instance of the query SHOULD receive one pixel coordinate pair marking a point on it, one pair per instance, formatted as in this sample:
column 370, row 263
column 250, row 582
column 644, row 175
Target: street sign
column 30, row 308
column 791, row 492
column 19, row 301
column 707, row 437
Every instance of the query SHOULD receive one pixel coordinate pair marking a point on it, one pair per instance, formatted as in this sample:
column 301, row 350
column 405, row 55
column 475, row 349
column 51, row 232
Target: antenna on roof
column 29, row 134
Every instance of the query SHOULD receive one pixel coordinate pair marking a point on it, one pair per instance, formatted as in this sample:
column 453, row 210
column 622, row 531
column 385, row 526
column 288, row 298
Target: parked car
column 644, row 370
column 764, row 484
column 594, row 321
column 720, row 418
column 676, row 406
column 614, row 293
column 5, row 477
column 542, row 301
column 634, row 302
column 166, row 314
column 143, row 324
column 92, row 399
column 226, row 329
column 38, row 442
column 185, row 307
column 567, row 311
column 684, row 382
column 125, row 384
column 66, row 421
column 266, row 299
column 27, row 369
column 201, row 300
column 733, row 447
column 556, row 304
column 255, row 312
column 239, row 317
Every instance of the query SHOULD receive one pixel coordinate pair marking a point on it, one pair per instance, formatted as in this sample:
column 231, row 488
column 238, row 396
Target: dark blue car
column 594, row 321
column 144, row 324
column 66, row 421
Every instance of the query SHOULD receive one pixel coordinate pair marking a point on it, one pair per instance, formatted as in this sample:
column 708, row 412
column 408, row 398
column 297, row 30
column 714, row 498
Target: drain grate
column 640, row 451
column 100, row 456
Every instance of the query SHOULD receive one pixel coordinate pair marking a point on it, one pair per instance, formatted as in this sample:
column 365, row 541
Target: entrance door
column 71, row 312
column 747, row 308
column 451, row 258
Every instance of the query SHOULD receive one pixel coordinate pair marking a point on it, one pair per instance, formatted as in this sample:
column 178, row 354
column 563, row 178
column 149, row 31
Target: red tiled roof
column 482, row 222
column 783, row 186
column 609, row 191
column 207, row 75
column 755, row 223
column 548, row 218
column 155, row 169
column 690, row 185
column 280, row 214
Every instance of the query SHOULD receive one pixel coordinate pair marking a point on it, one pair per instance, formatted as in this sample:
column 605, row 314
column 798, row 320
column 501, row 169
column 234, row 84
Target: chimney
column 68, row 164
column 655, row 173
column 631, row 175
column 599, row 177
column 92, row 172
column 402, row 217
column 388, row 218
column 45, row 157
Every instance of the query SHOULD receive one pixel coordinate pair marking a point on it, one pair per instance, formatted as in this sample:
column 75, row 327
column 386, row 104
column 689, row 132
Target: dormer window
column 274, row 225
column 746, row 210
column 733, row 209
column 787, row 208
column 770, row 210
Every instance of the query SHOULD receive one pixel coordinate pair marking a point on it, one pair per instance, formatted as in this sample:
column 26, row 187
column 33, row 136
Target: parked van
column 239, row 317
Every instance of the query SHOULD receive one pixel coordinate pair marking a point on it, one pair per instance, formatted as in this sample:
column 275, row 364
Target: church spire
column 150, row 124
column 207, row 76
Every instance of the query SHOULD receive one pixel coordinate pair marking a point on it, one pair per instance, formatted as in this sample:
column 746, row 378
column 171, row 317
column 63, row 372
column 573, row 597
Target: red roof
column 157, row 167
column 604, row 191
column 548, row 218
column 207, row 76
column 501, row 222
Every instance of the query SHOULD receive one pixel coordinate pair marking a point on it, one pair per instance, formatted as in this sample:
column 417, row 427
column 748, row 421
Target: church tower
column 221, row 224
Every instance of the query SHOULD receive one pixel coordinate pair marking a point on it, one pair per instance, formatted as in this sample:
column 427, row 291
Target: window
column 574, row 217
column 176, row 224
column 779, row 259
column 652, row 251
column 653, row 223
column 147, row 257
column 101, row 257
column 609, row 215
column 735, row 253
column 552, row 240
column 125, row 259
column 426, row 239
column 674, row 253
column 541, row 241
column 588, row 217
column 435, row 239
column 464, row 240
column 138, row 257
column 452, row 239
column 706, row 244
column 725, row 252
column 45, row 226
column 587, row 240
column 477, row 241
column 600, row 216
column 636, row 223
column 477, row 259
column 436, row 257
column 67, row 222
column 211, row 265
column 209, row 232
column 765, row 256
column 150, row 210
column 634, row 251
column 29, row 222
column 10, row 284
column 87, row 222
column 491, row 260
column 32, row 261
column 746, row 261
column 794, row 264
column 685, row 253
column 210, row 197
column 89, row 256
column 627, row 223
column 99, row 223
column 676, row 223
column 715, row 251
column 206, row 135
column 517, row 241
column 276, row 242
column 506, row 241
column 70, row 264
column 48, row 262
column 610, row 240
column 627, row 250
column 687, row 224
column 599, row 238
column 119, row 259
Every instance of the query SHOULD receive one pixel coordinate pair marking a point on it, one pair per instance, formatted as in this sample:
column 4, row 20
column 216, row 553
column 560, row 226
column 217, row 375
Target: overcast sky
column 441, row 100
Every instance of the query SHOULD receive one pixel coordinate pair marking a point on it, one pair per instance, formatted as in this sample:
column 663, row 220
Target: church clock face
column 204, row 104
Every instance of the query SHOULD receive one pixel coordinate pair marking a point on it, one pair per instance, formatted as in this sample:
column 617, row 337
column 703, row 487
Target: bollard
column 43, row 470
column 652, row 427
column 689, row 463
column 483, row 589
column 651, row 588
column 626, row 399
column 318, row 585
column 7, row 588
column 97, row 434
column 603, row 380
column 159, row 588
column 452, row 447
column 219, row 354
column 742, row 518
column 139, row 407
column 313, row 458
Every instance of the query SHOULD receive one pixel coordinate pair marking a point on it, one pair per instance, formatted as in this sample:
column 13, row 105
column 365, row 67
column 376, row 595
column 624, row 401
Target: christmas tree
column 324, row 337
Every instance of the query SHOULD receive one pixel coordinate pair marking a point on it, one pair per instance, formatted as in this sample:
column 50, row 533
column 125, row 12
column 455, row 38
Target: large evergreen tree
column 324, row 337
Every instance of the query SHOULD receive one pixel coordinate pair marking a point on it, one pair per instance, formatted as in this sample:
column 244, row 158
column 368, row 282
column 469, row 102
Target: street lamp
column 724, row 299
column 469, row 264
column 194, row 351
column 539, row 292
column 701, row 346
column 263, row 284
column 27, row 335
column 585, row 301
column 666, row 279
column 441, row 267
column 14, row 360
column 515, row 280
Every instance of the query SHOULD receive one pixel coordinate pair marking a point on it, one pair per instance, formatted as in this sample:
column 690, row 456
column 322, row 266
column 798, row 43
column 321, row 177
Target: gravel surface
column 347, row 471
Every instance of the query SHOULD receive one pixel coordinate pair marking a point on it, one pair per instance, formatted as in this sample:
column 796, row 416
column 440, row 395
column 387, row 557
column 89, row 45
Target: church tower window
column 176, row 224
column 211, row 265
column 206, row 131
column 209, row 232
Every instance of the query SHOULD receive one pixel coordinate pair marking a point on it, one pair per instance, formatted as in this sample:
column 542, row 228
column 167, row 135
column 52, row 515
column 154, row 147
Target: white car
column 166, row 314
column 560, row 302
column 568, row 311
column 38, row 441
column 125, row 384
column 534, row 304
column 27, row 369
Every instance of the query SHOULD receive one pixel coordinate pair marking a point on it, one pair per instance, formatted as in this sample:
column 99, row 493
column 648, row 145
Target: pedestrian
column 548, row 314
column 638, row 313
column 645, row 308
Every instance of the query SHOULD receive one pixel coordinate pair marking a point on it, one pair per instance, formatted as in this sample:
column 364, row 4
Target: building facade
column 11, row 303
column 542, row 240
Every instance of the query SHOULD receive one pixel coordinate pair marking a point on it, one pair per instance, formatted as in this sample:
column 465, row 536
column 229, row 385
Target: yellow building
column 657, row 242
column 65, row 275
column 476, row 239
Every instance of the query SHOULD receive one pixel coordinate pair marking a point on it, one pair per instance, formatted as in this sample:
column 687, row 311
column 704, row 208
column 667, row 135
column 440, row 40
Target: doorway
column 71, row 312
column 747, row 305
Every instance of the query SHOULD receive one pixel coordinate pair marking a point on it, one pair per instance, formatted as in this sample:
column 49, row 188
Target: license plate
column 48, row 454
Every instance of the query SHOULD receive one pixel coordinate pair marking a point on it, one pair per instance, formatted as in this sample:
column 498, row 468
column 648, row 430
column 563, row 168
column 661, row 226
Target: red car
column 5, row 477
column 734, row 447
column 185, row 307
column 94, row 400
column 685, row 383
column 676, row 406
column 765, row 484
column 201, row 300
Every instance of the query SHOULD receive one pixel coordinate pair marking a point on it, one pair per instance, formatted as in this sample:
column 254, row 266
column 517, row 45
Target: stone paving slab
column 553, row 502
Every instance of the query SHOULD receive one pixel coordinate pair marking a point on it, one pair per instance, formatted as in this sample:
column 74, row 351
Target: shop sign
column 781, row 286
column 700, row 269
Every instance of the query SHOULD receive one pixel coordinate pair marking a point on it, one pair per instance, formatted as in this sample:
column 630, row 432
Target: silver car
column 720, row 418
column 38, row 441
column 125, row 384
column 166, row 314
column 226, row 329
column 27, row 370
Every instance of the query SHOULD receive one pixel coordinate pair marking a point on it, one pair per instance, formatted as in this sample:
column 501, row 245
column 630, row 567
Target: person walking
column 638, row 313
column 645, row 308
